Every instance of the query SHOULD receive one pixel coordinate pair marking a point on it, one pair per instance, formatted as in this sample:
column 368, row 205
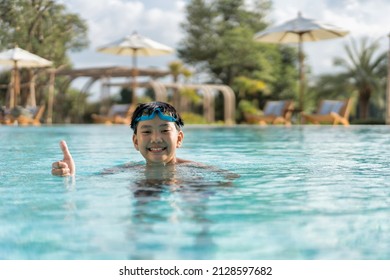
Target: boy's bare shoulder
column 185, row 161
column 192, row 163
column 120, row 168
column 226, row 173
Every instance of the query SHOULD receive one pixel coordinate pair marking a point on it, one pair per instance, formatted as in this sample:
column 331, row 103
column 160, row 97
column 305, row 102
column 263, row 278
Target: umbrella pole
column 32, row 98
column 16, row 89
column 134, row 74
column 12, row 90
column 301, row 76
column 50, row 101
column 388, row 86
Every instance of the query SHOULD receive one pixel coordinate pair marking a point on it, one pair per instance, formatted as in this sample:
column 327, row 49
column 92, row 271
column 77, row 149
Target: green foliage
column 4, row 80
column 192, row 118
column 370, row 121
column 43, row 27
column 246, row 106
column 126, row 96
column 328, row 86
column 177, row 68
column 247, row 86
column 70, row 107
column 365, row 70
column 201, row 41
column 47, row 29
column 191, row 95
column 149, row 93
column 282, row 80
column 220, row 37
column 219, row 41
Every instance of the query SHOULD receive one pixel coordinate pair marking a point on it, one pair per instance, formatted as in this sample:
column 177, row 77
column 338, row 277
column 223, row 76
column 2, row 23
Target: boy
column 157, row 135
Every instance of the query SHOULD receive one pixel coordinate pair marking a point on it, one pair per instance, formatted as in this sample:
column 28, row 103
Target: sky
column 110, row 20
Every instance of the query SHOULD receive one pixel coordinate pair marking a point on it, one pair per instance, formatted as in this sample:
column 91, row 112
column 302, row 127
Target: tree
column 177, row 68
column 248, row 95
column 75, row 106
column 42, row 27
column 45, row 28
column 365, row 69
column 125, row 95
column 219, row 41
column 248, row 86
column 219, row 36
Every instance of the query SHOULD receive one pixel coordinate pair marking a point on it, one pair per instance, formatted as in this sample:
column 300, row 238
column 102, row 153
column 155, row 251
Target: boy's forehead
column 155, row 122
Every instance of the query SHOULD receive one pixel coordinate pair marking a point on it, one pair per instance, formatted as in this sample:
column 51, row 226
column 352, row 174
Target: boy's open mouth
column 157, row 150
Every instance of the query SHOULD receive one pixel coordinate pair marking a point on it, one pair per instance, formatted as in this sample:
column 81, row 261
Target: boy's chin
column 160, row 161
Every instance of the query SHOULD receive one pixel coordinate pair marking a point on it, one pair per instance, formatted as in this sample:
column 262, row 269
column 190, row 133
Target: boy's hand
column 65, row 167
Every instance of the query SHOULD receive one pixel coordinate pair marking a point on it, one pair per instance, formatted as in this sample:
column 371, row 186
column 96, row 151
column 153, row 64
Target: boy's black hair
column 150, row 107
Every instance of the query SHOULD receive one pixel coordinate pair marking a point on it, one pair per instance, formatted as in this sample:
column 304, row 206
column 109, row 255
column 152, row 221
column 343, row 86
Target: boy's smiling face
column 157, row 141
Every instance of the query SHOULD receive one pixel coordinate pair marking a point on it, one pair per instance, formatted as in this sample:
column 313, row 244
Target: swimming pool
column 304, row 192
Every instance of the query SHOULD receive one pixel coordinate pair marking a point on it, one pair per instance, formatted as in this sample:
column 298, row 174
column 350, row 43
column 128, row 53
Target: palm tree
column 177, row 68
column 365, row 70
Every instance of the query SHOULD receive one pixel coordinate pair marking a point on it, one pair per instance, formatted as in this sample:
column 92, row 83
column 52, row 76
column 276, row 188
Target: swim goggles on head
column 161, row 115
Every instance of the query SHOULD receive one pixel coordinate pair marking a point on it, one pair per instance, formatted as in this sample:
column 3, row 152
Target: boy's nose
column 156, row 137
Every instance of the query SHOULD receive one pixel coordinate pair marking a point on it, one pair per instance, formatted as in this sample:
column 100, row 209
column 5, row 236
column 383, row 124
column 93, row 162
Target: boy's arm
column 65, row 167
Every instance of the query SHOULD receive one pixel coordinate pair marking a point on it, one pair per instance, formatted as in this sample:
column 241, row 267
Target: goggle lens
column 146, row 116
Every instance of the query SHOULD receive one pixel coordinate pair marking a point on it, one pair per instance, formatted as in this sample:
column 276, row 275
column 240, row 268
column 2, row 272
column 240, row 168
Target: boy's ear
column 135, row 142
column 180, row 137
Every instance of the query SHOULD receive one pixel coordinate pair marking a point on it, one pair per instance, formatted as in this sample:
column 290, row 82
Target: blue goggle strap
column 153, row 114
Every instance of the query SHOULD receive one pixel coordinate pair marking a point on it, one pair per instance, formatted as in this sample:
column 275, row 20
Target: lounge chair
column 118, row 114
column 275, row 112
column 25, row 116
column 37, row 114
column 5, row 117
column 330, row 112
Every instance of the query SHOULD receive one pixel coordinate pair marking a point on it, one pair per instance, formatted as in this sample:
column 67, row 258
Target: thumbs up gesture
column 65, row 167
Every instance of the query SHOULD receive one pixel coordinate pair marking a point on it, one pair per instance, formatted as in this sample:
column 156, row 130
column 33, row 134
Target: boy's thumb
column 65, row 150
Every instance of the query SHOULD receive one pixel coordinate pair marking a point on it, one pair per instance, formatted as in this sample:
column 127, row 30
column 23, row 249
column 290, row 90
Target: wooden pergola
column 11, row 99
column 209, row 92
column 93, row 75
column 105, row 74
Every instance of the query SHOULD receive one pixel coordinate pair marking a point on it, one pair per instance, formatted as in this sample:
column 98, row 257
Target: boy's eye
column 145, row 132
column 166, row 130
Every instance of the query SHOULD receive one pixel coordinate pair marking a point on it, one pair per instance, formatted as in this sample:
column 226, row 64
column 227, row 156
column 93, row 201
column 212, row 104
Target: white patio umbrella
column 19, row 58
column 135, row 45
column 300, row 30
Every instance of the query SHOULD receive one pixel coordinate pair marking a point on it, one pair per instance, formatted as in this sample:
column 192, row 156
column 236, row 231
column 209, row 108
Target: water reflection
column 178, row 195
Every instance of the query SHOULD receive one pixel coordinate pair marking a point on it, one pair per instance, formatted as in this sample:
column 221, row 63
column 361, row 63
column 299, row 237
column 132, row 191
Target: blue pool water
column 304, row 192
